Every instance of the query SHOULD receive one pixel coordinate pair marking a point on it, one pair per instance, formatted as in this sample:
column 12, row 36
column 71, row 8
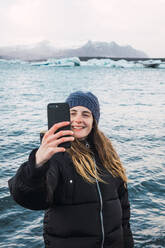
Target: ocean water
column 132, row 102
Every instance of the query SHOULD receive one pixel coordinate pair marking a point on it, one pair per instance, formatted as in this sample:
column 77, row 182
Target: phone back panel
column 58, row 112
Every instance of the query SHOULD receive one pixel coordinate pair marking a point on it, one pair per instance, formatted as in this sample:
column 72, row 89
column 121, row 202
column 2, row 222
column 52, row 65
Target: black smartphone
column 58, row 112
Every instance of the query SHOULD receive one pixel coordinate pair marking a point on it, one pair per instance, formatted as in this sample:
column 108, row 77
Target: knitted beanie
column 85, row 99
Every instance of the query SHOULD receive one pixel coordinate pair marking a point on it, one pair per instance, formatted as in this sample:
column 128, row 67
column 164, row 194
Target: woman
column 83, row 189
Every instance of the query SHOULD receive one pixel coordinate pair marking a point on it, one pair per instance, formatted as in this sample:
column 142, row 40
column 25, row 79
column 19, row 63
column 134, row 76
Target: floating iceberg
column 66, row 62
column 151, row 63
column 122, row 63
column 96, row 62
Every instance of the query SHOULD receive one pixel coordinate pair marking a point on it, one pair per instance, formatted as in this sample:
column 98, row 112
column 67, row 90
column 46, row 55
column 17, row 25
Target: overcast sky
column 139, row 23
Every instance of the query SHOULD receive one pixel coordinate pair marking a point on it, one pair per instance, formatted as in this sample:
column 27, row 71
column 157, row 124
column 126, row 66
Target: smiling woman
column 81, row 121
column 83, row 189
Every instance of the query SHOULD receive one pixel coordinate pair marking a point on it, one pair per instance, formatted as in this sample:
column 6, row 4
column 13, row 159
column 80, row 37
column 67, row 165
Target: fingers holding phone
column 59, row 136
column 58, row 127
column 53, row 142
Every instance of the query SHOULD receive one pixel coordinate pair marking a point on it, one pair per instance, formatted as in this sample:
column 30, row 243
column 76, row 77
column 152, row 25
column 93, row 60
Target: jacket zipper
column 101, row 208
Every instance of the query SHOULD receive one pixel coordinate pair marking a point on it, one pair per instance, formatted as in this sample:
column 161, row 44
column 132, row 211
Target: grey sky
column 139, row 23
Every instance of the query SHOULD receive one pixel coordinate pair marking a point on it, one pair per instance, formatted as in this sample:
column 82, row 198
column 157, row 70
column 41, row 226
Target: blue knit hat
column 85, row 99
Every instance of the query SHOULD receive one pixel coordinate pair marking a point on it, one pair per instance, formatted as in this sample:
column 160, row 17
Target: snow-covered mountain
column 45, row 50
column 105, row 49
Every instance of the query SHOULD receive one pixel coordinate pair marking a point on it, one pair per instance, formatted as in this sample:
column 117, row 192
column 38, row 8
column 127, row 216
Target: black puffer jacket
column 78, row 214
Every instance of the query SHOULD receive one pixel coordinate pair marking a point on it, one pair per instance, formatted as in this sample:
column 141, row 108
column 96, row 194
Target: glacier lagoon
column 132, row 116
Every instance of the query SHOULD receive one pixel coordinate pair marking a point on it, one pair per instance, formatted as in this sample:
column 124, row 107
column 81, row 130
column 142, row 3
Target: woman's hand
column 50, row 142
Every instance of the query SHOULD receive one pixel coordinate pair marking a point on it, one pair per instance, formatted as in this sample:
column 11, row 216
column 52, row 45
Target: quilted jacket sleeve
column 123, row 195
column 29, row 186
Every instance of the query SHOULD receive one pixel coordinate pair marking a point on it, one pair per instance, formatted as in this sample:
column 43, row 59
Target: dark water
column 132, row 115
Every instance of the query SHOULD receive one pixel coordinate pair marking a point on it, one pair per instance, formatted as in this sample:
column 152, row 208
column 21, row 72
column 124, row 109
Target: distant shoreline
column 116, row 58
column 85, row 58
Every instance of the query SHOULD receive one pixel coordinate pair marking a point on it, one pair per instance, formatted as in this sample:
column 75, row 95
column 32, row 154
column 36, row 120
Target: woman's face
column 81, row 121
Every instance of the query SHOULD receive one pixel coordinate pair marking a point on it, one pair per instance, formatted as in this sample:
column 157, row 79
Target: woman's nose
column 78, row 119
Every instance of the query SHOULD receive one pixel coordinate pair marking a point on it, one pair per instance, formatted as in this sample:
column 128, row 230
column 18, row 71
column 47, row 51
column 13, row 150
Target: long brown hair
column 82, row 157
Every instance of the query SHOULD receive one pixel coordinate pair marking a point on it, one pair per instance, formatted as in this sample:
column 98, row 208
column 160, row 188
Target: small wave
column 152, row 138
column 153, row 186
column 16, row 133
column 6, row 202
column 148, row 240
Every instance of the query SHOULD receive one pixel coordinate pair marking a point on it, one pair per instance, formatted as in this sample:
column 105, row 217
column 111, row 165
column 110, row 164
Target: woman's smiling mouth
column 77, row 127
